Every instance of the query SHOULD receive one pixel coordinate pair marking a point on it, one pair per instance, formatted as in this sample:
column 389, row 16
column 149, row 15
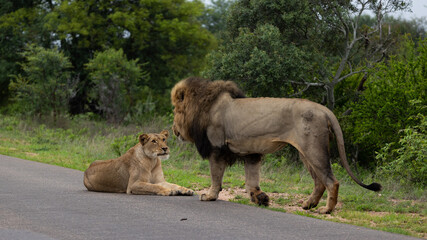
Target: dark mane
column 203, row 94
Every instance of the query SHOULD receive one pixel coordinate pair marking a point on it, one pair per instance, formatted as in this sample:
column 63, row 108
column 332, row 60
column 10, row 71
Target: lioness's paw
column 187, row 192
column 175, row 192
column 167, row 193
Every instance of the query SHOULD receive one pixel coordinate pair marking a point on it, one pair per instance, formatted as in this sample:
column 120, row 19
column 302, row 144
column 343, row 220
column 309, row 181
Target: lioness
column 225, row 126
column 138, row 171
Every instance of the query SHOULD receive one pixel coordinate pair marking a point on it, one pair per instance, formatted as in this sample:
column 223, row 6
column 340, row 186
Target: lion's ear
column 180, row 95
column 165, row 132
column 143, row 138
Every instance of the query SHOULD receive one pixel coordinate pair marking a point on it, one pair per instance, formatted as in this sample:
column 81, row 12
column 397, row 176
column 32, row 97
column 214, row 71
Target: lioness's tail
column 340, row 142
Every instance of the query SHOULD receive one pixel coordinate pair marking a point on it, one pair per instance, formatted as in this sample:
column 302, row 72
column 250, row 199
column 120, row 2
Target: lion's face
column 179, row 120
column 178, row 127
column 154, row 145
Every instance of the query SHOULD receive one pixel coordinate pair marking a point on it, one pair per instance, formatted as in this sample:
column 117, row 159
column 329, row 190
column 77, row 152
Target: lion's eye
column 153, row 141
column 164, row 140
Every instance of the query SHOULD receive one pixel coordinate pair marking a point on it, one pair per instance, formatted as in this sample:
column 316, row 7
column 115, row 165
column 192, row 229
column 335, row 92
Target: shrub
column 122, row 144
column 117, row 83
column 46, row 85
column 406, row 160
column 395, row 92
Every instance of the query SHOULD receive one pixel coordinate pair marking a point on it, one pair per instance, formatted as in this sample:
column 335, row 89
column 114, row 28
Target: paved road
column 40, row 201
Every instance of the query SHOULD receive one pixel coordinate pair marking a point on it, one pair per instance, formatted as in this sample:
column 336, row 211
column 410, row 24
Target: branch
column 345, row 28
column 308, row 85
column 300, row 92
column 346, row 76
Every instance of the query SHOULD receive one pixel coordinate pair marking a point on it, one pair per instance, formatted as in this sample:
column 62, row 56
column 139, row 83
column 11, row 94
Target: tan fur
column 225, row 125
column 138, row 171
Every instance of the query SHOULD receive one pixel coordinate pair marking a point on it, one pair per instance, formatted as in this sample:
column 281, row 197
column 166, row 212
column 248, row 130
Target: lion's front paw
column 260, row 198
column 206, row 197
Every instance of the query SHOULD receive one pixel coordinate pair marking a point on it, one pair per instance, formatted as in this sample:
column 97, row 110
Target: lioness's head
column 154, row 144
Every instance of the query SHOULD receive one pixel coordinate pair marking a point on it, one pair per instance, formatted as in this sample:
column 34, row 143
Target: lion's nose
column 164, row 149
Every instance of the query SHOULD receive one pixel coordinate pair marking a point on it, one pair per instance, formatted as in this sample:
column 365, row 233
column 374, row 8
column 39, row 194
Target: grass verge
column 78, row 142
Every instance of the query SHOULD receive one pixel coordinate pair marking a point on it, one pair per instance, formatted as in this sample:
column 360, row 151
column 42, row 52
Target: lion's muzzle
column 177, row 134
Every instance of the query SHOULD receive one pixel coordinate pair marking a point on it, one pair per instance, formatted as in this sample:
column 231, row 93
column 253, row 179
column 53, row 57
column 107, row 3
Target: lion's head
column 154, row 145
column 193, row 98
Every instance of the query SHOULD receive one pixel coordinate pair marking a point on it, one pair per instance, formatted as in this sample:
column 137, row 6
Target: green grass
column 78, row 142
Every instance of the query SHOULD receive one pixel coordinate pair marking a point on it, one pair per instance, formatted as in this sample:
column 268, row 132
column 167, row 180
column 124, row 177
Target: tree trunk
column 330, row 95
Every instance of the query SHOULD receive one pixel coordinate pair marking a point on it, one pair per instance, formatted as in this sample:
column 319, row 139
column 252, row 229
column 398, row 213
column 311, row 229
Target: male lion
column 138, row 171
column 224, row 125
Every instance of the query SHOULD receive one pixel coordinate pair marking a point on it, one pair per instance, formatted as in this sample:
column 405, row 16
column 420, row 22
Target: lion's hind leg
column 318, row 190
column 86, row 182
column 320, row 169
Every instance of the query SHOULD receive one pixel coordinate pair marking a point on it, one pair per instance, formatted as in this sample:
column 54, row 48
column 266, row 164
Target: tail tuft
column 374, row 187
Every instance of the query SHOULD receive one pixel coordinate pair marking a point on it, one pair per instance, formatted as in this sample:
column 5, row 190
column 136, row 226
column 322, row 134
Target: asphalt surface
column 40, row 201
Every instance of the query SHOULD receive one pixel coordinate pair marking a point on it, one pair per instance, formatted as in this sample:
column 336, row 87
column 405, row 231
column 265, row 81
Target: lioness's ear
column 143, row 138
column 165, row 132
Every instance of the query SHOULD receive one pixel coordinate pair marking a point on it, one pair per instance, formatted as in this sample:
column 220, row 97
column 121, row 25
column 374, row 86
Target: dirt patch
column 226, row 194
column 285, row 201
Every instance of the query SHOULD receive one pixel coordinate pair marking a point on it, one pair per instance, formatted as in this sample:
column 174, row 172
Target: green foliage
column 166, row 34
column 214, row 17
column 263, row 49
column 20, row 24
column 122, row 144
column 396, row 91
column 406, row 160
column 46, row 86
column 260, row 61
column 300, row 47
column 117, row 83
column 292, row 17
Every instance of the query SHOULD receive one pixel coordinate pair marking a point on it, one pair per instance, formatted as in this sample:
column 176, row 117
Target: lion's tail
column 340, row 142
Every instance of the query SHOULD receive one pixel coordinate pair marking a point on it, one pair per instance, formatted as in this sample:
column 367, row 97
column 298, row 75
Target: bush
column 406, row 160
column 259, row 61
column 122, row 144
column 46, row 85
column 395, row 92
column 117, row 84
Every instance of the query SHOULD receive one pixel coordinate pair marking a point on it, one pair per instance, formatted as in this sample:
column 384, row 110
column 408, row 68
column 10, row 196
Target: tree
column 326, row 39
column 167, row 35
column 117, row 83
column 215, row 15
column 46, row 85
column 21, row 23
column 260, row 61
